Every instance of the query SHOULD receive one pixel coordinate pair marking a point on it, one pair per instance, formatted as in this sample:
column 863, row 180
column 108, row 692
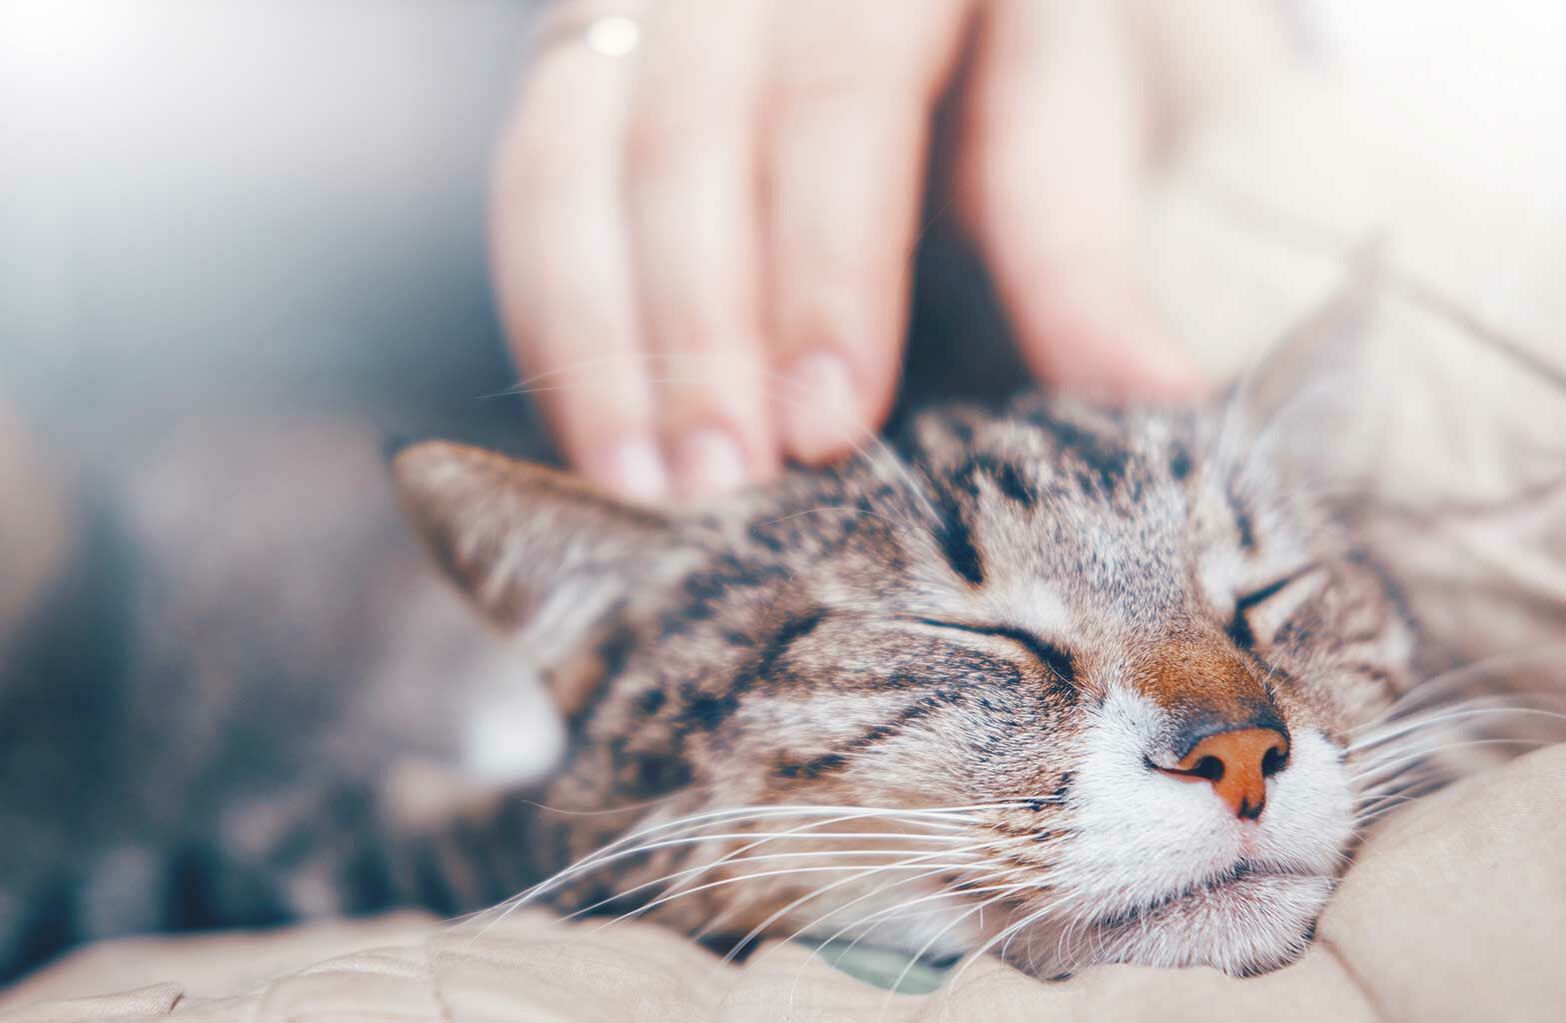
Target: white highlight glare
column 613, row 36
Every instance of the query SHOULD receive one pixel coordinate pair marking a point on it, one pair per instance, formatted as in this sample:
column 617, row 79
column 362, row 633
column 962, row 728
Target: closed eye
column 1239, row 625
column 1058, row 661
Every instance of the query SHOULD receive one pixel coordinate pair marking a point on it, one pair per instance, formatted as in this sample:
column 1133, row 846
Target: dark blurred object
column 959, row 345
column 35, row 526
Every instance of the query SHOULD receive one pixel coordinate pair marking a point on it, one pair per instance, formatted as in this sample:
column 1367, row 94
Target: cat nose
column 1237, row 763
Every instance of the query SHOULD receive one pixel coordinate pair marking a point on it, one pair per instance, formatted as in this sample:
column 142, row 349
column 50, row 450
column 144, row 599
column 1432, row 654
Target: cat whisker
column 1437, row 685
column 527, row 384
column 807, row 831
column 1415, row 772
column 935, row 818
column 930, row 942
column 1386, row 800
column 1381, row 809
column 953, row 818
column 702, row 868
column 955, row 888
column 1406, row 726
column 991, row 843
column 913, row 863
column 620, row 808
column 1427, row 752
column 874, row 893
column 1028, row 919
column 817, row 893
column 1412, row 742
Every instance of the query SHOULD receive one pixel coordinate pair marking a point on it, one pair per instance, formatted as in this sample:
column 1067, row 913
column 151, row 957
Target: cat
column 1069, row 683
column 1099, row 671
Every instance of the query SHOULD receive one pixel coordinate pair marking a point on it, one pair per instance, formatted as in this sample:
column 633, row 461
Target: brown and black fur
column 847, row 636
column 798, row 645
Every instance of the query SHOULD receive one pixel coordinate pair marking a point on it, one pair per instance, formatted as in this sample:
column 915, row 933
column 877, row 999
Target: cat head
column 1080, row 683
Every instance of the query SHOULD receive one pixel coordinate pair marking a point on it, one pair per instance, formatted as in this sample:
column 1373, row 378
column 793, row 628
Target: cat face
column 1071, row 684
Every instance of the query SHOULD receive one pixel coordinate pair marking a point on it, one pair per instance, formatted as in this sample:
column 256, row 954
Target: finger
column 690, row 187
column 848, row 110
column 1050, row 185
column 561, row 266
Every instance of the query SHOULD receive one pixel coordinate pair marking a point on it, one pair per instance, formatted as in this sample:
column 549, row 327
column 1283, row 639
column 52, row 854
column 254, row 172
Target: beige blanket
column 1456, row 908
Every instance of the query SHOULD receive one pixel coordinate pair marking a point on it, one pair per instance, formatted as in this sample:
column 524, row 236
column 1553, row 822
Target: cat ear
column 524, row 542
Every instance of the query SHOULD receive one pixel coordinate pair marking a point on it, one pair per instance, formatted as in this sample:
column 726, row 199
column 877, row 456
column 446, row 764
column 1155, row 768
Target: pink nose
column 1237, row 764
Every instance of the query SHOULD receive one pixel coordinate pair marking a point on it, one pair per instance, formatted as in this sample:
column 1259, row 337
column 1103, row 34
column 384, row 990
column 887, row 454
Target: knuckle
column 833, row 76
column 804, row 90
column 666, row 137
column 655, row 143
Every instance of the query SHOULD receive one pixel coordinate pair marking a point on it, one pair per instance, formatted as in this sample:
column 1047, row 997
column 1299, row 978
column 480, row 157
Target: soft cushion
column 1457, row 905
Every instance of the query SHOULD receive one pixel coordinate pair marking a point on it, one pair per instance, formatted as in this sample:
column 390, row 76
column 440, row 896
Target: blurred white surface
column 210, row 195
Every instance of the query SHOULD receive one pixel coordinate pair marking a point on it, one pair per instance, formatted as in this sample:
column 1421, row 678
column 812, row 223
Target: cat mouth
column 1246, row 920
column 1237, row 880
column 1249, row 919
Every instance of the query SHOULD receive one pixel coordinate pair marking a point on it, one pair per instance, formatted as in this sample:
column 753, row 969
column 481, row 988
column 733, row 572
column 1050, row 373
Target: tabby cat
column 1100, row 672
column 1067, row 683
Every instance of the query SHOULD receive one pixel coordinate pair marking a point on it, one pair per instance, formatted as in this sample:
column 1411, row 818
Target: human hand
column 703, row 248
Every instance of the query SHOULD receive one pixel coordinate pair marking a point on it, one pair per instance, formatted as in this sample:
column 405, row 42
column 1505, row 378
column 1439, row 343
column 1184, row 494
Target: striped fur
column 943, row 624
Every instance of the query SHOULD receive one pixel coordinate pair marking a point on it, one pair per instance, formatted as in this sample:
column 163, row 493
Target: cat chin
column 1244, row 925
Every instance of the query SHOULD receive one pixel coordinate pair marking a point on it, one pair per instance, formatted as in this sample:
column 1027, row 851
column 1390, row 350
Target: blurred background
column 210, row 203
column 231, row 201
column 242, row 241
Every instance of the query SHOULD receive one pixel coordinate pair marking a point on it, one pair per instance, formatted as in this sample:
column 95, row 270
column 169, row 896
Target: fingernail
column 820, row 414
column 632, row 468
column 707, row 462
